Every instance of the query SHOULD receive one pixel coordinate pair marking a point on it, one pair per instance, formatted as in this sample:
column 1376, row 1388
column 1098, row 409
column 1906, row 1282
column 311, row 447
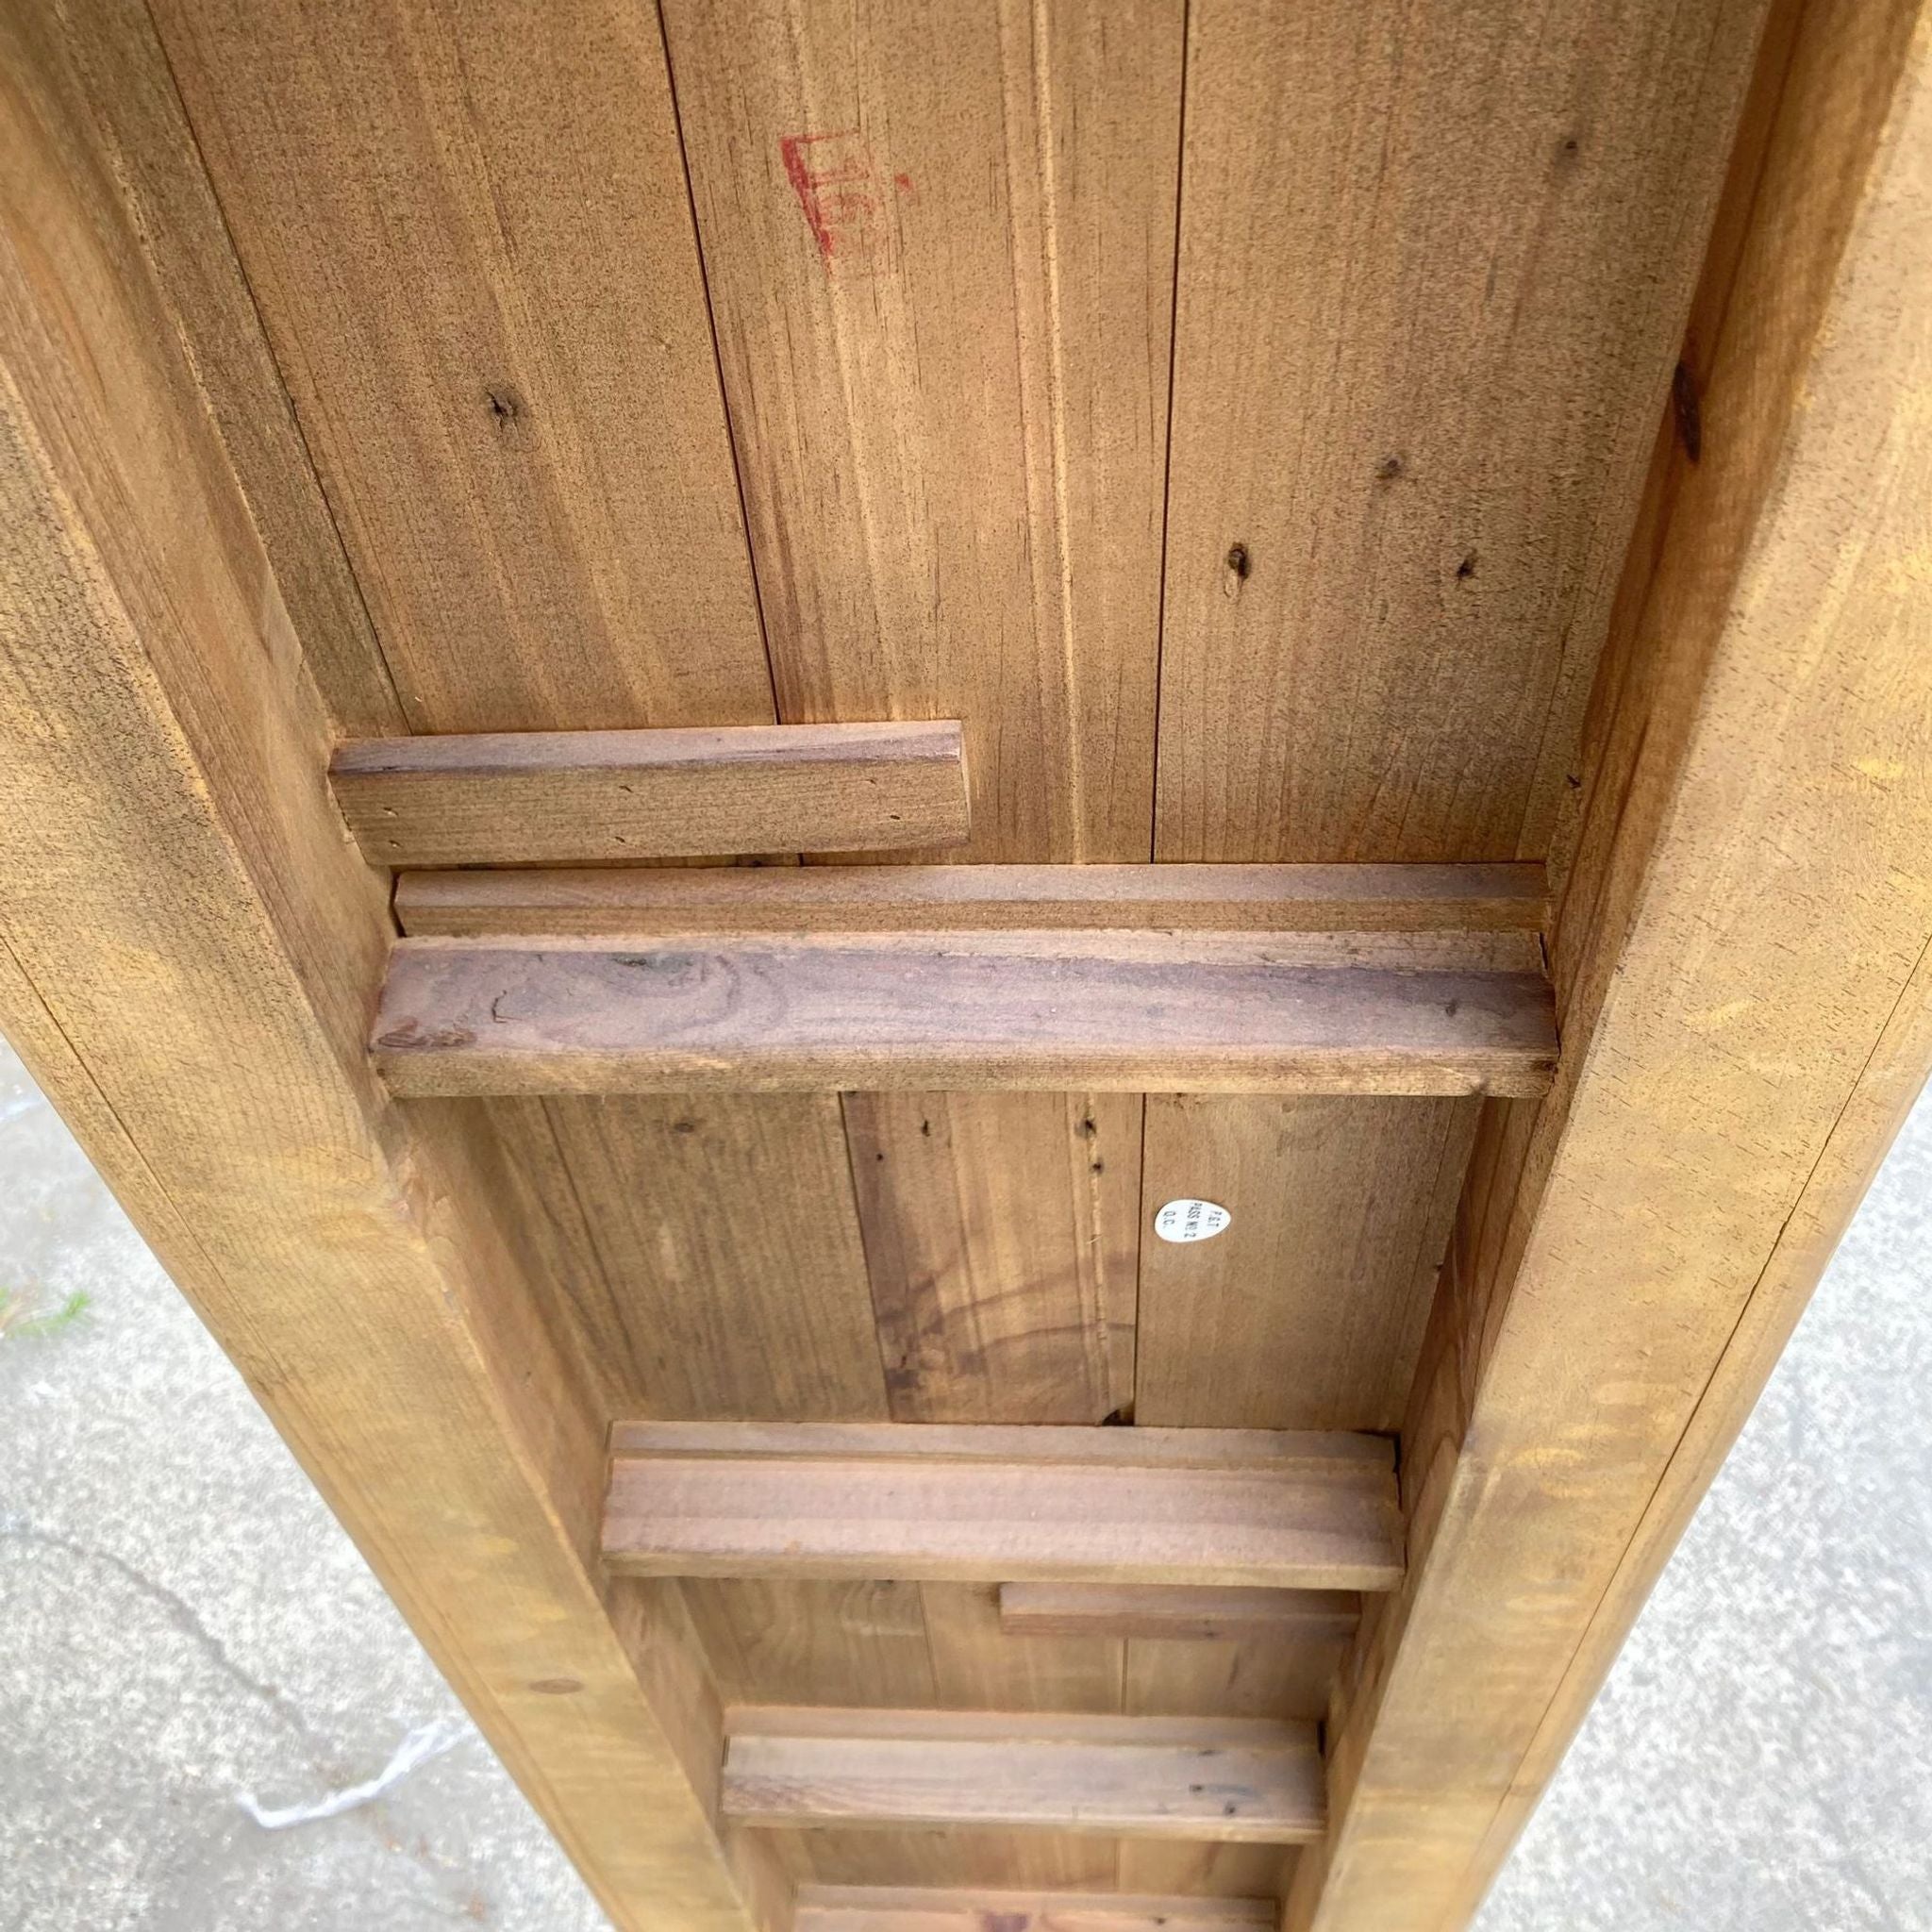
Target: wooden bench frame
column 191, row 948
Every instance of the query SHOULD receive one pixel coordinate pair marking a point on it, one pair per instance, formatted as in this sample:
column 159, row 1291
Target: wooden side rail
column 1178, row 1611
column 621, row 902
column 1221, row 1779
column 925, row 1502
column 575, row 797
column 924, row 1909
column 1102, row 1012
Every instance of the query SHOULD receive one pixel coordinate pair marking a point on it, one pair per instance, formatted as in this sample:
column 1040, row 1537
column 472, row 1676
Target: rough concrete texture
column 182, row 1624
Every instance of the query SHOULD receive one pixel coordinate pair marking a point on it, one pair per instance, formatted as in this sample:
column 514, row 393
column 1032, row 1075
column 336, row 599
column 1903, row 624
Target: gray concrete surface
column 183, row 1627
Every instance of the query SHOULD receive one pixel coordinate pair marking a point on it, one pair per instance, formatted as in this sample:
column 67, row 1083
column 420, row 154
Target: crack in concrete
column 472, row 1907
column 183, row 1616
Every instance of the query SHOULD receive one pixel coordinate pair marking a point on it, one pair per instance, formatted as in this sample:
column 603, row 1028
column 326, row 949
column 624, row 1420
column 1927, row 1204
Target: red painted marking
column 841, row 192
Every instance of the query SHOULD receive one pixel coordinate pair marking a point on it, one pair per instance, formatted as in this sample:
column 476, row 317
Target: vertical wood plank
column 792, row 1640
column 471, row 239
column 1001, row 1236
column 1409, row 431
column 939, row 241
column 1307, row 1312
column 715, row 1267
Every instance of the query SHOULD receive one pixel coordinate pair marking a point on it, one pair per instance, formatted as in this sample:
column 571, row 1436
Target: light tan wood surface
column 864, row 1500
column 1237, row 1782
column 577, row 797
column 940, row 249
column 483, row 291
column 1408, row 434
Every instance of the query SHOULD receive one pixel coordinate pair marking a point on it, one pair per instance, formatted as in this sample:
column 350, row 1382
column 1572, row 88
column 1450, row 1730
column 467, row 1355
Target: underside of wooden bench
column 1003, row 899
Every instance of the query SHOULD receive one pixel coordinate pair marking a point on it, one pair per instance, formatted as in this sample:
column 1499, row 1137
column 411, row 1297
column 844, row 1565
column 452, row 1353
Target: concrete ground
column 193, row 1661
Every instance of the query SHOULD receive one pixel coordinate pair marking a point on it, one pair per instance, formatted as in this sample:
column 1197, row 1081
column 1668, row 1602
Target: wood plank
column 705, row 1251
column 800, row 1640
column 1176, row 1611
column 956, row 1856
column 992, row 1504
column 159, row 742
column 980, row 1010
column 1745, row 951
column 1223, row 1780
column 202, row 294
column 577, row 797
column 939, row 243
column 1410, row 435
column 481, row 280
column 1206, row 1871
column 924, row 1909
column 1002, row 1236
column 619, row 903
column 1307, row 1312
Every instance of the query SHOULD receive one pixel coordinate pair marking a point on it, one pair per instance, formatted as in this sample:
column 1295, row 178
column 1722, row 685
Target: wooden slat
column 618, row 903
column 939, row 244
column 1065, row 1505
column 1410, row 434
column 926, row 1908
column 573, row 797
column 1002, row 1234
column 1185, row 1611
column 1744, row 949
column 470, row 236
column 1308, row 1312
column 1227, row 1780
column 983, row 1011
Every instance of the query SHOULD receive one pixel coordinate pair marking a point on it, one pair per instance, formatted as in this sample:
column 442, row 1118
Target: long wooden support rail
column 1220, row 1780
column 924, row 1909
column 572, row 797
column 621, row 902
column 925, row 1502
column 1106, row 1012
column 1178, row 1611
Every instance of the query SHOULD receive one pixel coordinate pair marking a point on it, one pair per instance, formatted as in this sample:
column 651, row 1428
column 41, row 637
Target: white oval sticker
column 1190, row 1221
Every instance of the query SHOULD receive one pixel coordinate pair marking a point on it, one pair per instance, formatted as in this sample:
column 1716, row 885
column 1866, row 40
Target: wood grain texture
column 918, row 1908
column 470, row 237
column 1002, row 1236
column 171, row 869
column 939, row 241
column 577, row 797
column 1237, row 1782
column 706, row 1251
column 1307, row 1312
column 931, row 898
column 121, row 81
column 1746, row 957
column 1410, row 434
column 985, row 1504
column 1178, row 1611
column 956, row 1856
column 1209, row 1011
column 796, row 1640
